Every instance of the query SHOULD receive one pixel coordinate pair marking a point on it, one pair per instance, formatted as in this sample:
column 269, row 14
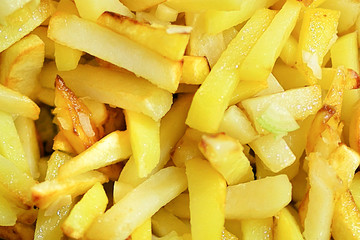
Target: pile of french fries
column 179, row 119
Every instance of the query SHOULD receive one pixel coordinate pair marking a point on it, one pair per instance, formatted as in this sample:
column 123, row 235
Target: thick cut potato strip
column 140, row 5
column 261, row 59
column 170, row 45
column 144, row 135
column 45, row 193
column 115, row 48
column 257, row 229
column 91, row 205
column 286, row 225
column 163, row 222
column 258, row 199
column 22, row 22
column 195, row 70
column 123, row 90
column 202, row 5
column 212, row 98
column 15, row 103
column 109, row 150
column 172, row 128
column 121, row 220
column 344, row 52
column 207, row 191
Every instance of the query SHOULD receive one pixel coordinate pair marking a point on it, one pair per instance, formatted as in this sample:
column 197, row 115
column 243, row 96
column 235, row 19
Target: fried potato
column 157, row 69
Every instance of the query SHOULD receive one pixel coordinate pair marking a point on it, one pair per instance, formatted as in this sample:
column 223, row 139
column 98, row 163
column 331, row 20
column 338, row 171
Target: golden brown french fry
column 160, row 40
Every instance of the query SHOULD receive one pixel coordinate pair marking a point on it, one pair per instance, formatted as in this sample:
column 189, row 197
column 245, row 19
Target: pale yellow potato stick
column 213, row 96
column 111, row 149
column 207, row 191
column 22, row 22
column 115, row 48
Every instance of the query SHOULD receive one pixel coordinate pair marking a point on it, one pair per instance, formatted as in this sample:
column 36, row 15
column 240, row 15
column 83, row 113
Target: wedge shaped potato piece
column 22, row 22
column 207, row 191
column 258, row 199
column 92, row 10
column 317, row 35
column 74, row 118
column 115, row 48
column 237, row 125
column 113, row 148
column 261, row 59
column 257, row 229
column 91, row 205
column 21, row 64
column 346, row 220
column 123, row 90
column 286, row 225
column 160, row 40
column 148, row 197
column 230, row 161
column 307, row 101
column 144, row 135
column 273, row 152
column 45, row 193
column 213, row 96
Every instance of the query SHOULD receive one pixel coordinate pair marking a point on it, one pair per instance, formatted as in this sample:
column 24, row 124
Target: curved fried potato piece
column 74, row 118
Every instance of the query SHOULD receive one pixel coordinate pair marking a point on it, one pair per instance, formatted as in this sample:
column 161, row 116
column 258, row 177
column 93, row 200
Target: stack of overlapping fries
column 179, row 119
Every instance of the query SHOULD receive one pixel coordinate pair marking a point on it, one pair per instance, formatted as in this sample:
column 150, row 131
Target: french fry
column 202, row 5
column 207, row 191
column 143, row 232
column 45, row 193
column 160, row 40
column 140, row 5
column 214, row 21
column 212, row 98
column 41, row 32
column 112, row 148
column 259, row 199
column 286, row 225
column 195, row 70
column 161, row 187
column 92, row 10
column 257, row 228
column 91, row 205
column 22, row 22
column 179, row 206
column 10, row 7
column 144, row 135
column 157, row 69
column 269, row 45
column 174, row 119
column 289, row 51
column 317, row 35
column 163, row 222
column 123, row 90
column 236, row 124
column 8, row 213
column 27, row 134
column 21, row 64
column 230, row 162
column 343, row 52
column 16, row 184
